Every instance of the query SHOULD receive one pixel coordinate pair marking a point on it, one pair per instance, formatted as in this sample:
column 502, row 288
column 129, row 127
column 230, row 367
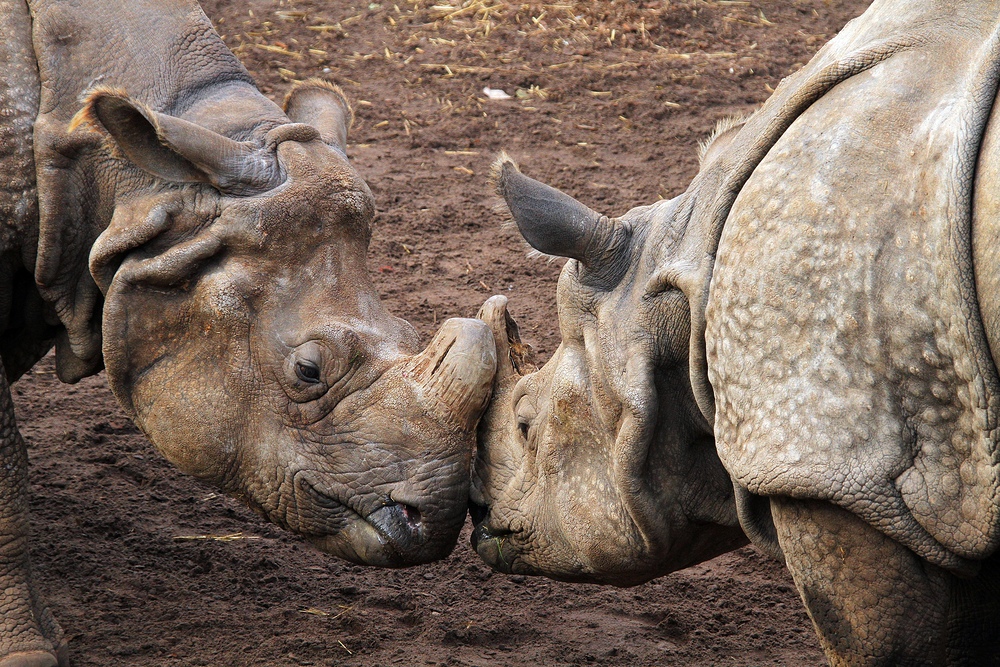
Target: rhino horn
column 324, row 106
column 177, row 150
column 514, row 358
column 550, row 221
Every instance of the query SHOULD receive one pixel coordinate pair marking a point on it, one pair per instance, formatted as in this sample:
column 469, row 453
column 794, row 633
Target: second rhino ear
column 177, row 150
column 554, row 223
column 550, row 221
column 324, row 106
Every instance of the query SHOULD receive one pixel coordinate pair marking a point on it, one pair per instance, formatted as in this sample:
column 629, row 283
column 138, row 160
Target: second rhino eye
column 524, row 415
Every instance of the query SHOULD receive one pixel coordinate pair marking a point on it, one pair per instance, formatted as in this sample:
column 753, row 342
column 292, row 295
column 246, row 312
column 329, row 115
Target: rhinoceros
column 803, row 345
column 165, row 220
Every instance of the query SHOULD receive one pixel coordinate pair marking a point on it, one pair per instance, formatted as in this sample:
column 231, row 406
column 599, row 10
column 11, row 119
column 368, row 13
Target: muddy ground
column 608, row 102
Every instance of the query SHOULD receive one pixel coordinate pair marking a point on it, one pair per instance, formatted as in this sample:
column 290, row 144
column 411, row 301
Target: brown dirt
column 610, row 101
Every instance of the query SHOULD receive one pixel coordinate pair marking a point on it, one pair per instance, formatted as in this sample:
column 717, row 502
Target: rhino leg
column 29, row 636
column 874, row 602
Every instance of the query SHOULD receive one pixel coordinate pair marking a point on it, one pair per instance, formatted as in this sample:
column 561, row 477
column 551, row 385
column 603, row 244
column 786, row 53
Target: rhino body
column 826, row 294
column 162, row 218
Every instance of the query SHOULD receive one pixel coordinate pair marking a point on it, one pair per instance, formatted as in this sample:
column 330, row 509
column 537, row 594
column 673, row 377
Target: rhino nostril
column 412, row 515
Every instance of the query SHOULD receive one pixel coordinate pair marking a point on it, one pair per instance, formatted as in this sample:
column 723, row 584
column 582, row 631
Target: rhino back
column 162, row 52
column 845, row 343
column 19, row 101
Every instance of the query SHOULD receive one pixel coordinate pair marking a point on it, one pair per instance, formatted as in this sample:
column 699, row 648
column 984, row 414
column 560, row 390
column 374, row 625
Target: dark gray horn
column 551, row 221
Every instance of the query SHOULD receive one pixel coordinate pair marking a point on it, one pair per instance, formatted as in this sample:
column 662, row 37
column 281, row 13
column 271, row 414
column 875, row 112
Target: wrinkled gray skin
column 164, row 218
column 823, row 300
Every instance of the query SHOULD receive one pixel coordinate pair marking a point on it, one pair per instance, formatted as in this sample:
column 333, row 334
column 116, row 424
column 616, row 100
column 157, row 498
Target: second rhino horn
column 550, row 221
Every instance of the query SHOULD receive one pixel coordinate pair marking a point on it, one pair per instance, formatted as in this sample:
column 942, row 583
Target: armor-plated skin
column 836, row 260
column 164, row 219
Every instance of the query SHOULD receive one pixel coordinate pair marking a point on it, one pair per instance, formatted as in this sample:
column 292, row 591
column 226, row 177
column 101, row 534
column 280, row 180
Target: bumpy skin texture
column 876, row 602
column 857, row 370
column 882, row 397
column 163, row 218
column 838, row 257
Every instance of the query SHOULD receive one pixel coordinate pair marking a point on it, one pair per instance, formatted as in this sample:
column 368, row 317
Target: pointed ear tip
column 316, row 83
column 499, row 170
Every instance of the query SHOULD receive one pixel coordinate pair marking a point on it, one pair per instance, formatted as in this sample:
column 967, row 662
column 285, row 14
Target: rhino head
column 599, row 466
column 242, row 332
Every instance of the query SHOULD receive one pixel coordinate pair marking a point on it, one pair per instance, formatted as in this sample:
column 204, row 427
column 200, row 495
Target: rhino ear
column 324, row 106
column 550, row 221
column 720, row 139
column 176, row 150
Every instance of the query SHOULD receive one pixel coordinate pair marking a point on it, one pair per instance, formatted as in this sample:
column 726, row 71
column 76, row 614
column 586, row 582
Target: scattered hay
column 644, row 33
column 232, row 537
column 314, row 611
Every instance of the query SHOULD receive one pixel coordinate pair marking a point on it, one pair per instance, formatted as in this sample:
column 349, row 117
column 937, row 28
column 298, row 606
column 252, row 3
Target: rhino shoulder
column 845, row 346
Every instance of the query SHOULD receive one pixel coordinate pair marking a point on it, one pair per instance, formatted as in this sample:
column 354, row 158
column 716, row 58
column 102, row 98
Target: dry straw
column 632, row 29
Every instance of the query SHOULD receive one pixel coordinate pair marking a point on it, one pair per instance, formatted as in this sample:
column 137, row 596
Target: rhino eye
column 523, row 427
column 307, row 371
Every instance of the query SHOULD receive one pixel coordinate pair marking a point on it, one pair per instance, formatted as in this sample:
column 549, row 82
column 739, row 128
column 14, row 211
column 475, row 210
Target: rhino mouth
column 392, row 535
column 400, row 523
column 491, row 543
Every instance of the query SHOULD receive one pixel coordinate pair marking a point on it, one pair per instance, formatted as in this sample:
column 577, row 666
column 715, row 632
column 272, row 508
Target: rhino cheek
column 560, row 500
column 190, row 425
column 582, row 510
column 549, row 512
column 563, row 535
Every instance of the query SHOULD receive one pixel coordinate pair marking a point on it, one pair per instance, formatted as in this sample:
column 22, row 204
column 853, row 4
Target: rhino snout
column 491, row 543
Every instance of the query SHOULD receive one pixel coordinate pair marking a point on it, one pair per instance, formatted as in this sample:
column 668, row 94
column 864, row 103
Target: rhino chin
column 494, row 548
column 391, row 536
column 359, row 542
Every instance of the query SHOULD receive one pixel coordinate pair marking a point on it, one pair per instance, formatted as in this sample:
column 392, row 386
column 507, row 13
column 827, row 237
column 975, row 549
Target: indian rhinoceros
column 803, row 344
column 165, row 219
